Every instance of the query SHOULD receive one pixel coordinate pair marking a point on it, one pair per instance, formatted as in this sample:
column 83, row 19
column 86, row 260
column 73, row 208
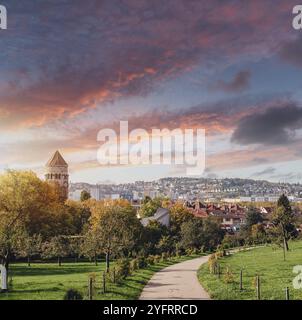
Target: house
column 162, row 216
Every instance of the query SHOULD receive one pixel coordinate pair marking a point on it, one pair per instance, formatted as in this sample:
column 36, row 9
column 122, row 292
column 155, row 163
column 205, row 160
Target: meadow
column 267, row 262
column 48, row 281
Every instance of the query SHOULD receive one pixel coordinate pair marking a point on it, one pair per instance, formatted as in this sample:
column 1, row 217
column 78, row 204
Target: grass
column 267, row 262
column 48, row 281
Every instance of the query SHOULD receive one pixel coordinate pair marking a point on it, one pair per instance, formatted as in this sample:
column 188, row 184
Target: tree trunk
column 285, row 242
column 107, row 261
column 59, row 261
column 95, row 260
column 3, row 279
column 28, row 261
column 284, row 249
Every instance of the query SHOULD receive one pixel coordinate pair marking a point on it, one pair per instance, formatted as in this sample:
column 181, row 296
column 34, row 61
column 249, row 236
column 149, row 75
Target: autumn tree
column 283, row 219
column 149, row 207
column 117, row 227
column 29, row 246
column 85, row 195
column 25, row 205
column 56, row 247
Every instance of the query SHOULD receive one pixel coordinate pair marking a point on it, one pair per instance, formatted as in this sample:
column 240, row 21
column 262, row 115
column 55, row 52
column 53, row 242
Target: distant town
column 230, row 190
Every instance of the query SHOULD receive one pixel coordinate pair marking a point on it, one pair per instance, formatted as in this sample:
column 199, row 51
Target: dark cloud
column 274, row 126
column 240, row 82
column 267, row 171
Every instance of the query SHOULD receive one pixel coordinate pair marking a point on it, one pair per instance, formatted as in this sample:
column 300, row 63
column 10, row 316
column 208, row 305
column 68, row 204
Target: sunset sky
column 69, row 68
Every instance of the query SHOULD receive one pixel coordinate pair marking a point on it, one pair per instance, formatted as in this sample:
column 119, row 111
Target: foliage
column 73, row 294
column 253, row 217
column 283, row 220
column 85, row 195
column 56, row 247
column 149, row 207
column 122, row 268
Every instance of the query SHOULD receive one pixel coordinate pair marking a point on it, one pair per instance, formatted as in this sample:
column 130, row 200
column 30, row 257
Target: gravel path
column 177, row 282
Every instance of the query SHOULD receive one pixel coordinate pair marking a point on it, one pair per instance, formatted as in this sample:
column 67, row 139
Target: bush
column 164, row 257
column 73, row 294
column 228, row 277
column 151, row 260
column 157, row 259
column 122, row 268
column 212, row 263
column 190, row 251
column 134, row 265
column 142, row 263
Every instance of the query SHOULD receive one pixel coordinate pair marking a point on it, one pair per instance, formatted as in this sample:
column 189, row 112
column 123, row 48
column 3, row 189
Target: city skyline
column 230, row 67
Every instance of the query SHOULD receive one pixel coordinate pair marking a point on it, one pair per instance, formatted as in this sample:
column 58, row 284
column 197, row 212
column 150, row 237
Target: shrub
column 134, row 265
column 142, row 263
column 72, row 294
column 157, row 259
column 122, row 268
column 228, row 277
column 150, row 260
column 164, row 257
column 190, row 251
column 212, row 263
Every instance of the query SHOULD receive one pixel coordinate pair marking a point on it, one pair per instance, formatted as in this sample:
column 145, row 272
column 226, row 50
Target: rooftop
column 56, row 161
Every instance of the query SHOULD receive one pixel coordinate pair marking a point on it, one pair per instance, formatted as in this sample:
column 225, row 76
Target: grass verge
column 48, row 281
column 267, row 262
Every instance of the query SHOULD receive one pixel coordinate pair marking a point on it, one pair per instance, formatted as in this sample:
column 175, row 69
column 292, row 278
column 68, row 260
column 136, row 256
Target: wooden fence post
column 258, row 287
column 90, row 288
column 286, row 293
column 104, row 282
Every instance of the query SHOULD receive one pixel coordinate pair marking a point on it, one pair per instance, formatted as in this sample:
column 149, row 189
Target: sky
column 69, row 68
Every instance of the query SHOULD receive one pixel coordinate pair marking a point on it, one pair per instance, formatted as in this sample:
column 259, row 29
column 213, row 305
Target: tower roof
column 56, row 161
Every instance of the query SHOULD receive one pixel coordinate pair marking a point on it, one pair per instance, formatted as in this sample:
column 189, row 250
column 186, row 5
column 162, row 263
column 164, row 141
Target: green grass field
column 267, row 262
column 48, row 281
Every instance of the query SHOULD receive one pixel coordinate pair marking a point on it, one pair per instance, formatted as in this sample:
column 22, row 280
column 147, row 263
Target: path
column 177, row 282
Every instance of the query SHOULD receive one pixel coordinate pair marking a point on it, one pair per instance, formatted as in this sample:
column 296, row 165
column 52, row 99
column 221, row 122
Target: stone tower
column 57, row 172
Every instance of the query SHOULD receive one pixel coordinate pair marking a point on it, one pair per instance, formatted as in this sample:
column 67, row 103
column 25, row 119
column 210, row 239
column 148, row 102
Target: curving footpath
column 177, row 282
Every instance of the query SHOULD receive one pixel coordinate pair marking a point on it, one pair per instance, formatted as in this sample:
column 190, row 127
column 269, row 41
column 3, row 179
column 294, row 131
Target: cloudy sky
column 69, row 68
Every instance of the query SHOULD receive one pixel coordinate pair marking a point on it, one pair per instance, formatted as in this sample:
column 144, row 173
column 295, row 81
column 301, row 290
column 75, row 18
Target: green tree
column 283, row 219
column 29, row 246
column 191, row 234
column 253, row 216
column 85, row 195
column 117, row 228
column 25, row 202
column 56, row 247
column 149, row 207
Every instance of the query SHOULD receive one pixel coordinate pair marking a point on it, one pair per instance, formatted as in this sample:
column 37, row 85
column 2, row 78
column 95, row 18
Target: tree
column 152, row 235
column 90, row 245
column 57, row 247
column 191, row 234
column 283, row 220
column 197, row 233
column 179, row 214
column 253, row 216
column 25, row 201
column 212, row 233
column 85, row 195
column 29, row 246
column 118, row 229
column 149, row 207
